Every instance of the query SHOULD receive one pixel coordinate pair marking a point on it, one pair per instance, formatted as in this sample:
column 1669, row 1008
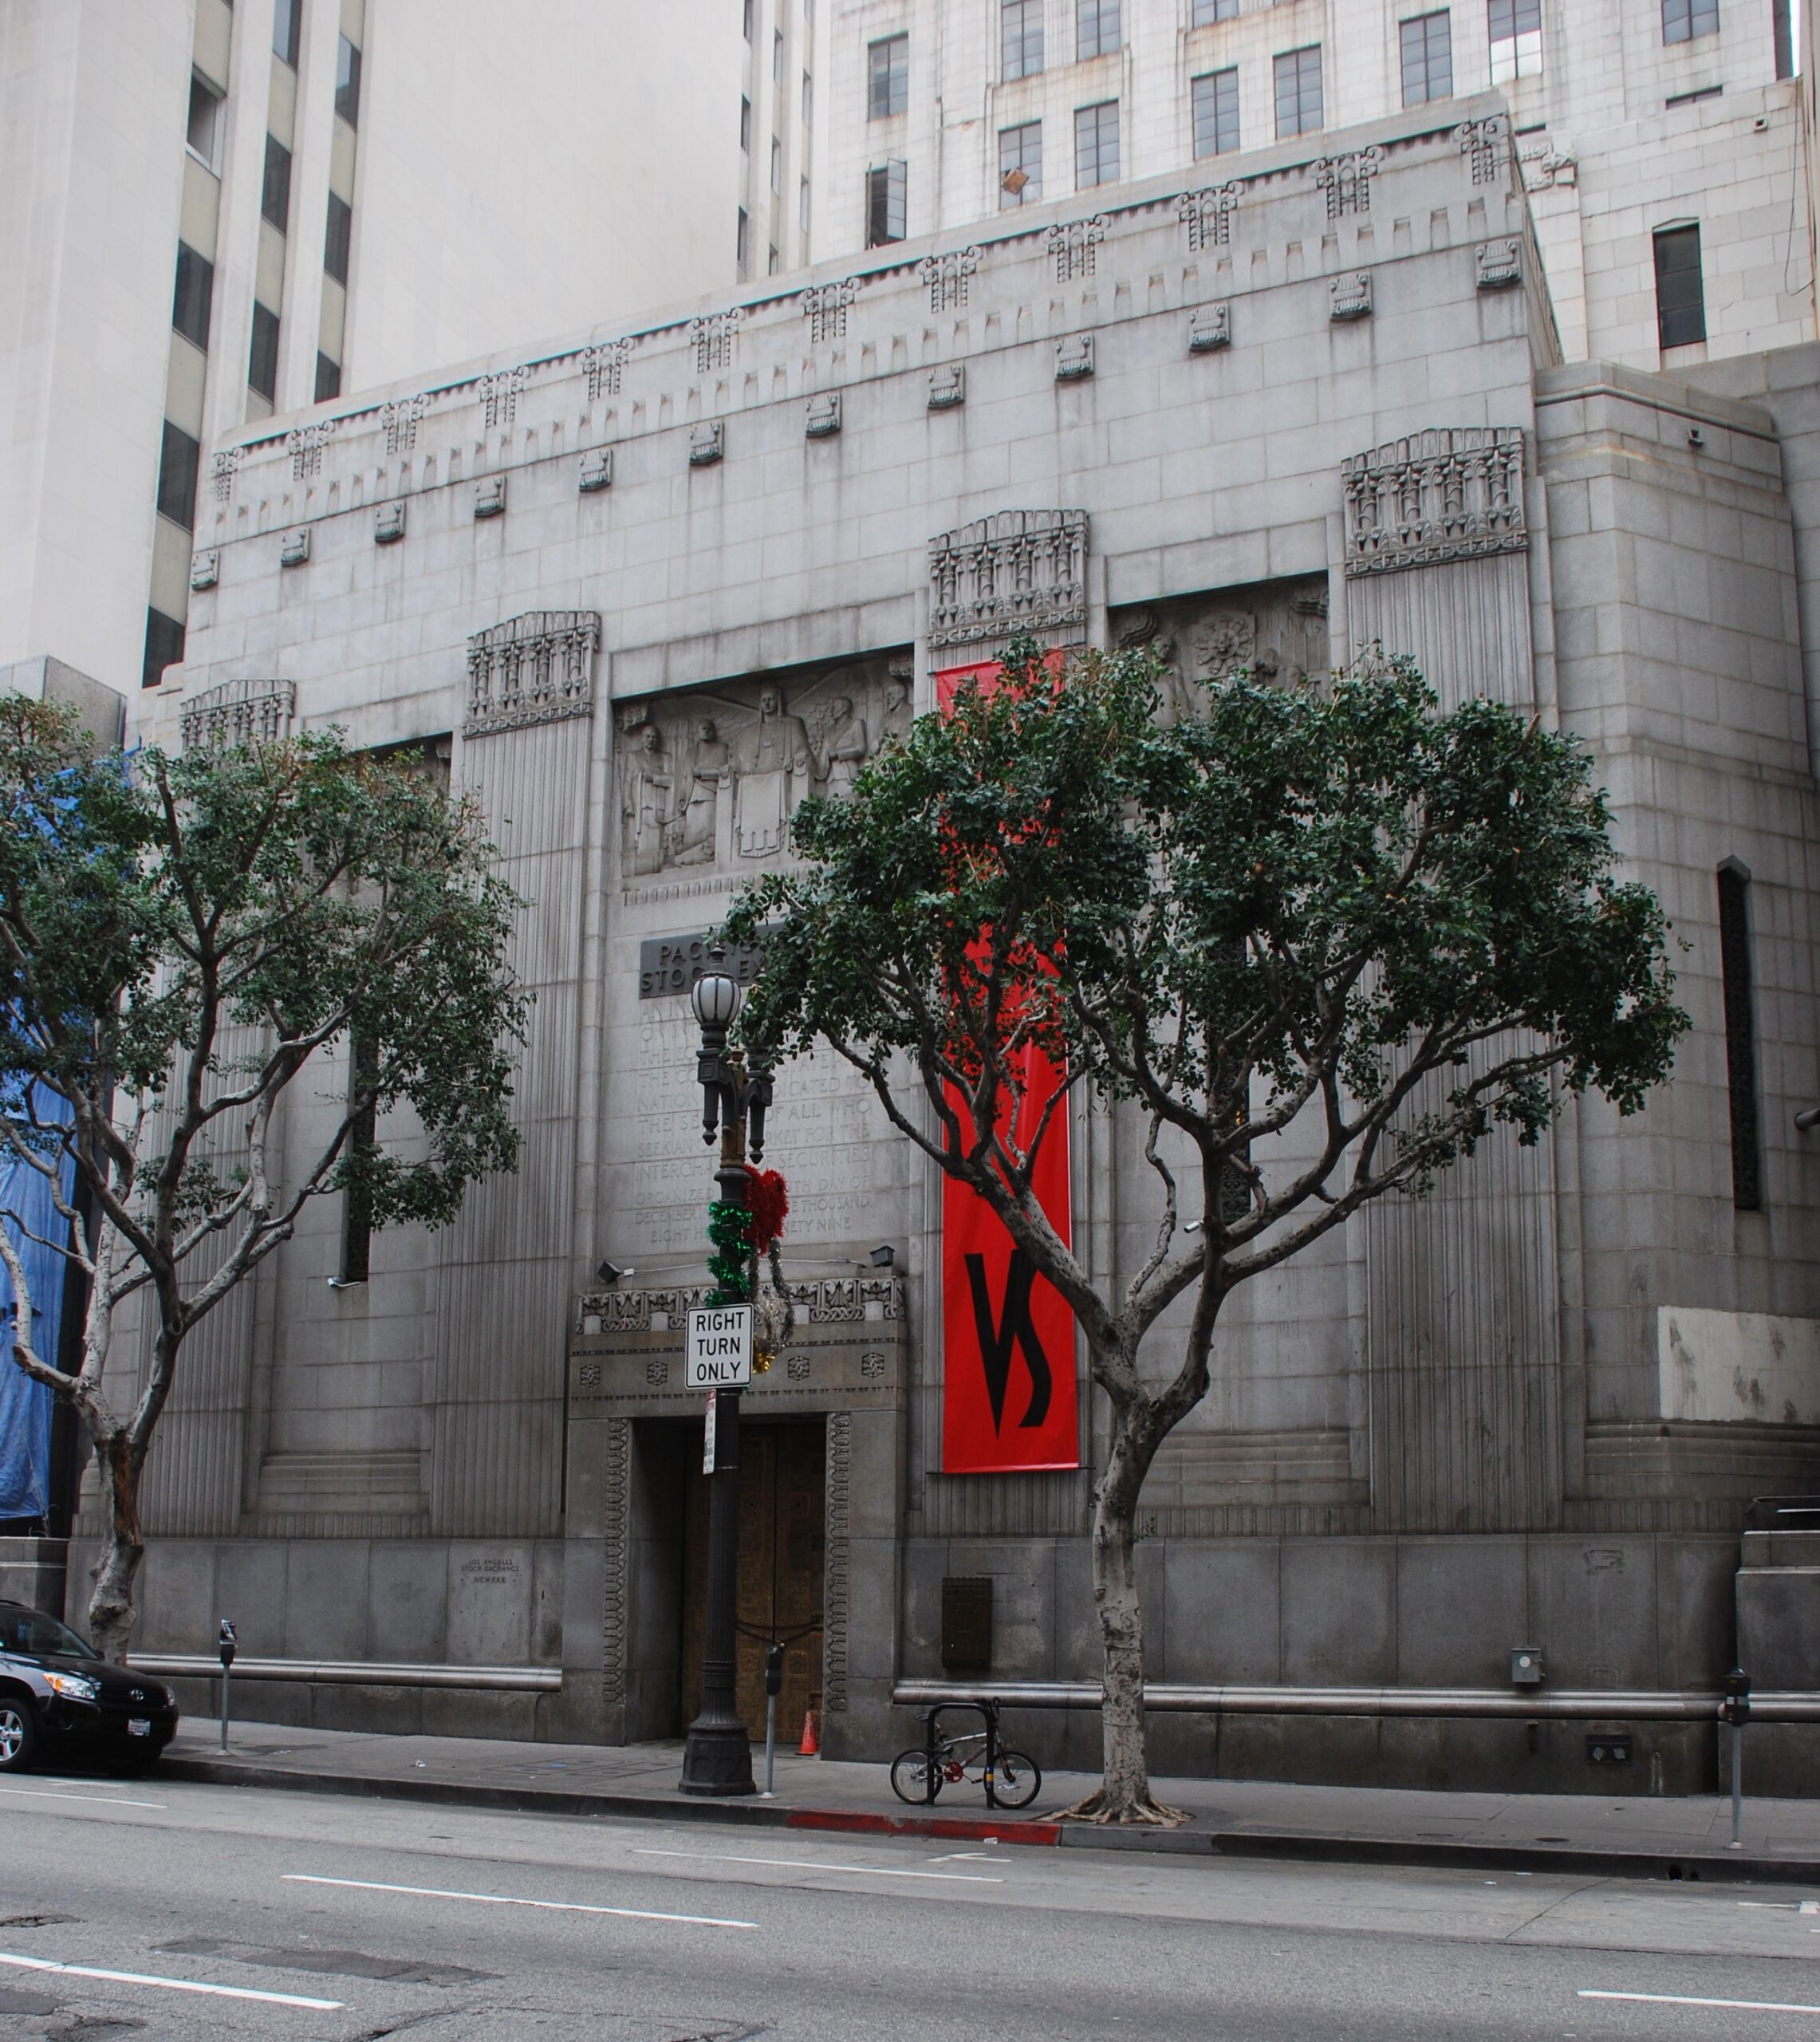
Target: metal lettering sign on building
column 719, row 1355
column 671, row 964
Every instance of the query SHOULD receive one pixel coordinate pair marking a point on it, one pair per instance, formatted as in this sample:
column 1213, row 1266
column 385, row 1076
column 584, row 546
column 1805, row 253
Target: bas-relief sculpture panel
column 1276, row 630
column 709, row 779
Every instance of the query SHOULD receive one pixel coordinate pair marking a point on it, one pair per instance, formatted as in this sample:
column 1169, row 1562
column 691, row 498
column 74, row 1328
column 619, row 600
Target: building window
column 1095, row 29
column 1020, row 164
column 808, row 99
column 337, row 244
column 1207, row 12
column 745, row 124
column 1216, row 112
column 1683, row 20
column 348, row 82
column 1020, row 37
column 328, row 378
column 777, row 164
column 777, row 57
column 163, row 646
column 802, row 203
column 889, row 73
column 287, row 30
column 886, row 190
column 203, row 132
column 275, row 202
column 1680, row 297
column 1740, row 1038
column 748, row 20
column 1096, row 144
column 1782, row 29
column 196, row 289
column 262, row 364
column 177, row 466
column 1298, row 91
column 771, row 262
column 1516, row 39
column 742, row 243
column 1427, row 58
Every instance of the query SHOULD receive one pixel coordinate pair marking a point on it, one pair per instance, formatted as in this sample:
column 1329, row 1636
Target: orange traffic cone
column 809, row 1748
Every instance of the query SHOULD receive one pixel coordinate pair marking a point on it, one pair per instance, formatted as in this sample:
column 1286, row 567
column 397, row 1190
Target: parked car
column 60, row 1698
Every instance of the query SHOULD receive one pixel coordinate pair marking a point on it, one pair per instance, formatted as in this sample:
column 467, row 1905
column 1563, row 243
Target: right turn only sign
column 719, row 1353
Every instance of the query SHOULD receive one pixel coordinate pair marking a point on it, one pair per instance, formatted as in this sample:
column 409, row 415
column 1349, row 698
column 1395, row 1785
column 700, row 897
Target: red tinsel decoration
column 769, row 1198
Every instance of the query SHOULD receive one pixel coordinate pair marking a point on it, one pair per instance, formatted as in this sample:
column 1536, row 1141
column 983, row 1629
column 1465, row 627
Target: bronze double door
column 782, row 1553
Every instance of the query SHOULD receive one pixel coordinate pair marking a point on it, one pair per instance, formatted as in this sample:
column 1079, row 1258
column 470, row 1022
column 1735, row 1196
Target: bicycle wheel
column 1017, row 1781
column 910, row 1778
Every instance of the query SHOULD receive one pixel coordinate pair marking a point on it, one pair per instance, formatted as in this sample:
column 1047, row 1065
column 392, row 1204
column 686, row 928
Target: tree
column 182, row 941
column 1323, row 938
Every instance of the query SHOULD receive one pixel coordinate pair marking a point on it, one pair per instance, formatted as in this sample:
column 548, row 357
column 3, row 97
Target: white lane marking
column 172, row 1985
column 812, row 1865
column 513, row 1900
column 1683, row 2000
column 99, row 1800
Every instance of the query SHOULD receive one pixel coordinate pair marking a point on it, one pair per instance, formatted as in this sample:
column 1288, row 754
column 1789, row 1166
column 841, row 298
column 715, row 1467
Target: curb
column 1702, row 1865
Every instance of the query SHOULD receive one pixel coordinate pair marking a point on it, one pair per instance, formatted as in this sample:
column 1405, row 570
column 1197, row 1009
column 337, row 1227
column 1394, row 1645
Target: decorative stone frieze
column 1073, row 246
column 707, row 444
column 226, row 467
column 1347, row 179
column 616, row 1517
column 205, row 567
column 499, row 395
column 1210, row 328
column 536, row 668
column 1074, row 358
column 837, row 1587
column 305, row 444
column 1016, row 570
column 1484, row 143
column 825, row 307
column 947, row 387
column 490, row 497
column 596, row 470
column 602, row 366
column 1544, row 165
column 1445, row 494
column 947, row 276
column 1498, row 265
column 823, row 1301
column 388, row 522
column 1349, row 295
column 712, row 337
column 1208, row 215
column 239, row 712
column 293, row 548
column 823, row 419
column 401, row 416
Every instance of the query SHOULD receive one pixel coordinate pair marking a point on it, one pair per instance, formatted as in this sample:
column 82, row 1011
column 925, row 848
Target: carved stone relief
column 602, row 366
column 1073, row 246
column 1347, row 179
column 1483, row 143
column 305, row 444
column 1277, row 631
column 837, row 1600
column 825, row 307
column 712, row 338
column 536, row 668
column 948, row 278
column 1448, row 493
column 400, row 417
column 712, row 777
column 1016, row 570
column 616, row 1510
column 500, row 393
column 1207, row 216
column 239, row 712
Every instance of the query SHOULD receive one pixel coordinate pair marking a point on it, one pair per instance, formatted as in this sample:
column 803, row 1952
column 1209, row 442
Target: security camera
column 606, row 1273
column 883, row 1256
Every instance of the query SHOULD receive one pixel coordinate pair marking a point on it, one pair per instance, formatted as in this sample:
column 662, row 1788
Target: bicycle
column 1012, row 1780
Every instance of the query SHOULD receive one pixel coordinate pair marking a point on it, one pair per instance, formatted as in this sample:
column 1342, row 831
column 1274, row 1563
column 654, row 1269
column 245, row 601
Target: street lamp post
column 717, row 1758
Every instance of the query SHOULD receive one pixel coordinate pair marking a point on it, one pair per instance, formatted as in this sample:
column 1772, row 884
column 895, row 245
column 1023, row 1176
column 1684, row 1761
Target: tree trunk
column 1124, row 1795
column 112, row 1610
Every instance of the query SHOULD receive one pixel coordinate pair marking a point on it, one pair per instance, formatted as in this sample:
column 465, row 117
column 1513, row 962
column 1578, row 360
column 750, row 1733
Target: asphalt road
column 244, row 1913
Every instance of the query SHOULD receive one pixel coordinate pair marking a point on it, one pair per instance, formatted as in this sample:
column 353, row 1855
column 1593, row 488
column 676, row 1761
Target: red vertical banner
column 1010, row 1398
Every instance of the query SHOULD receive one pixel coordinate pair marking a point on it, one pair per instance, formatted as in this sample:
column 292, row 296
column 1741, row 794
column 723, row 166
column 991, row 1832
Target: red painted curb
column 963, row 1829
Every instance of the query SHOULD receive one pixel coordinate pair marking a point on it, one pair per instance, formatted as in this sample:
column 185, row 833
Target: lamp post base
column 717, row 1759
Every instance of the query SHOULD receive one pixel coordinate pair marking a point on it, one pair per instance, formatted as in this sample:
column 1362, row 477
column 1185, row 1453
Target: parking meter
column 225, row 1645
column 774, row 1687
column 1736, row 1710
column 774, row 1669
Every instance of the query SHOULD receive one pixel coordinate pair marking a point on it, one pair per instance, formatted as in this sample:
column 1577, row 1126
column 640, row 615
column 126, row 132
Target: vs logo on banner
column 1009, row 1395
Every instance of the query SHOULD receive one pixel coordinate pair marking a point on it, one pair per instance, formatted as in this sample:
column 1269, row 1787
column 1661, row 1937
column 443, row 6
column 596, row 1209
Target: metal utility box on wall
column 967, row 1623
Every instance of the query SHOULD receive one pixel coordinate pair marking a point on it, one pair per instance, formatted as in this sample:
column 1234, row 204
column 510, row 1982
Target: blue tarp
column 25, row 1405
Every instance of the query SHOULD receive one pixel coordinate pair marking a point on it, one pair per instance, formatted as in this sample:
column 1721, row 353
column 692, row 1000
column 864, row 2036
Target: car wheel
column 19, row 1733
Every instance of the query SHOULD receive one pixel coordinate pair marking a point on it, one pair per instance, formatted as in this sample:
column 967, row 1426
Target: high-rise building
column 211, row 213
column 1659, row 139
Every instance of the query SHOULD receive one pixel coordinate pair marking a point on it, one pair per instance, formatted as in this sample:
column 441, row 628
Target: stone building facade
column 693, row 574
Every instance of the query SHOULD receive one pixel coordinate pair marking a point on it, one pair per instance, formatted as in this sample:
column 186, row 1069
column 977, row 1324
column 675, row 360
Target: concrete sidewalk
column 1635, row 1837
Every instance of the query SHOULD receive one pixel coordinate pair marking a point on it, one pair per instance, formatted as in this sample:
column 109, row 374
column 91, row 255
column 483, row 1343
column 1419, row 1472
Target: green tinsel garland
column 728, row 1228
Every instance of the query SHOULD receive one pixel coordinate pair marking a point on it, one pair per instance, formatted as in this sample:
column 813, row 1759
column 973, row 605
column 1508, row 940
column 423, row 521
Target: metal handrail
column 1163, row 1696
column 366, row 1672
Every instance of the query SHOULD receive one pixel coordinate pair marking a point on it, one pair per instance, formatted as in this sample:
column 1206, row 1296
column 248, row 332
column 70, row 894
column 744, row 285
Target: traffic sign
column 719, row 1352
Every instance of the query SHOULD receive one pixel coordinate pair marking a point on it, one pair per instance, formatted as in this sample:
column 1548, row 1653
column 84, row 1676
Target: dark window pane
column 287, row 29
column 1298, row 91
column 1216, row 112
column 328, row 378
column 1096, row 145
column 1510, row 18
column 195, row 291
column 339, row 239
column 889, row 78
column 163, row 646
column 1427, row 58
column 348, row 83
column 262, row 365
column 203, row 127
column 1020, row 37
column 1782, row 25
column 1680, row 297
column 275, row 203
column 887, row 189
column 1020, row 164
column 1096, row 28
column 1683, row 20
column 177, row 467
column 745, row 123
column 742, row 240
column 1207, row 12
column 1740, row 1039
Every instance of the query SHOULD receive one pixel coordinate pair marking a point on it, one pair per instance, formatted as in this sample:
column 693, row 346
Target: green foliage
column 729, row 1233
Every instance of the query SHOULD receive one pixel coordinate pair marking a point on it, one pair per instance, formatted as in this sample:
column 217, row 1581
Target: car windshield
column 32, row 1632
